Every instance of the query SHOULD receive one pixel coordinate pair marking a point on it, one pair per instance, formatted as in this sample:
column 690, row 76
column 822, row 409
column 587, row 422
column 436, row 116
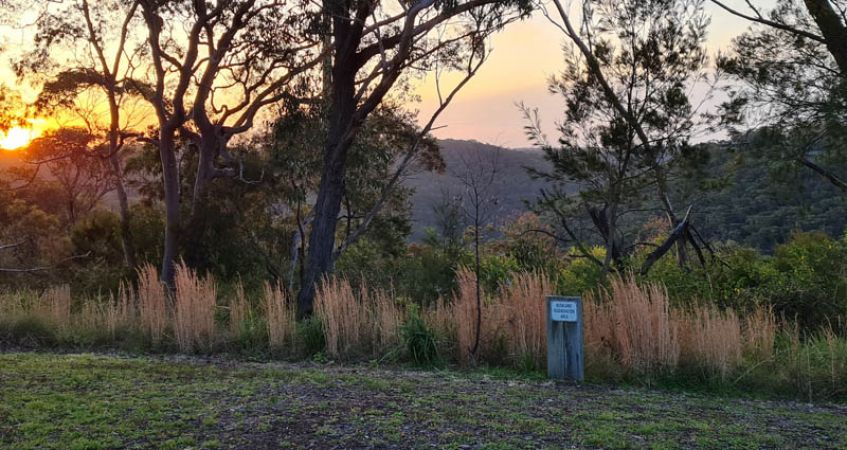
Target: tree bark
column 322, row 236
column 124, row 212
column 170, row 179
column 207, row 149
column 833, row 29
column 118, row 173
column 208, row 143
column 332, row 186
column 343, row 123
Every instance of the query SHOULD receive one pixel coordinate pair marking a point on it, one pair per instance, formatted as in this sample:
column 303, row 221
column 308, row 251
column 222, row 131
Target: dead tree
column 478, row 174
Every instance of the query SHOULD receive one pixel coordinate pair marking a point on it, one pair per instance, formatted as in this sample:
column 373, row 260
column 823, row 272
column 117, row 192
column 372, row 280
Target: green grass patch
column 52, row 401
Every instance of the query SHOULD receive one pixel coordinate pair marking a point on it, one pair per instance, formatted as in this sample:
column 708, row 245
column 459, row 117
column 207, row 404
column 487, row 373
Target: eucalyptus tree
column 374, row 207
column 82, row 178
column 215, row 67
column 373, row 44
column 88, row 51
column 792, row 68
column 629, row 68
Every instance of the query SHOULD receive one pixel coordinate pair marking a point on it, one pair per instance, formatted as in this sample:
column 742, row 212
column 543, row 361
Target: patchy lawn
column 93, row 402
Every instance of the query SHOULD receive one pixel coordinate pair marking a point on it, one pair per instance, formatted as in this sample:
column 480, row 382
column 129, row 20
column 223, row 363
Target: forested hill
column 513, row 186
column 764, row 201
column 759, row 204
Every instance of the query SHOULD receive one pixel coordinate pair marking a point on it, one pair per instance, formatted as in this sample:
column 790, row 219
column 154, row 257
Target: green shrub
column 29, row 332
column 252, row 336
column 310, row 336
column 496, row 269
column 527, row 242
column 420, row 341
column 809, row 279
column 805, row 279
column 581, row 275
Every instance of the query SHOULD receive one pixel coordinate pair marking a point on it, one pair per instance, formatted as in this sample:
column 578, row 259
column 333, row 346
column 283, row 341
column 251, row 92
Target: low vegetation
column 96, row 402
column 634, row 333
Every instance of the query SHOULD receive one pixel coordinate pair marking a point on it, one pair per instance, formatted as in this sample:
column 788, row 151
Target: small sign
column 565, row 359
column 564, row 311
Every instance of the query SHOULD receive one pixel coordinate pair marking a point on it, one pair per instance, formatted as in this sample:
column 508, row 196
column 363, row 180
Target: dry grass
column 712, row 339
column 513, row 323
column 637, row 325
column 239, row 310
column 153, row 311
column 638, row 321
column 836, row 355
column 194, row 312
column 280, row 314
column 55, row 306
column 342, row 316
column 631, row 326
column 465, row 314
column 439, row 317
column 367, row 323
column 643, row 333
column 760, row 329
column 388, row 318
column 525, row 320
column 118, row 311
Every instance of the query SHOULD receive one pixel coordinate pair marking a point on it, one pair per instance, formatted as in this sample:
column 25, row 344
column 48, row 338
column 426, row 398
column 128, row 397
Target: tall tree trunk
column 196, row 224
column 322, row 237
column 341, row 130
column 205, row 172
column 332, row 186
column 210, row 144
column 118, row 173
column 123, row 211
column 170, row 178
column 833, row 29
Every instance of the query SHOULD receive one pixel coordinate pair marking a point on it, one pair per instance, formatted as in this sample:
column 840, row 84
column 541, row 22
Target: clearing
column 92, row 402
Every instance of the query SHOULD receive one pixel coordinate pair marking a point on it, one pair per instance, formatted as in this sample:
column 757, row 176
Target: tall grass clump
column 466, row 311
column 354, row 324
column 636, row 324
column 280, row 316
column 239, row 310
column 194, row 312
column 760, row 330
column 512, row 326
column 121, row 310
column 712, row 339
column 55, row 306
column 525, row 319
column 152, row 303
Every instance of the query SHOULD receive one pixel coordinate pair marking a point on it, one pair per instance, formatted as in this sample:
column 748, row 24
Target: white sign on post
column 564, row 311
column 564, row 338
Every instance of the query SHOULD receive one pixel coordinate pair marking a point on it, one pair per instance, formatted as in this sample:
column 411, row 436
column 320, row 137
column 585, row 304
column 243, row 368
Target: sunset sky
column 525, row 55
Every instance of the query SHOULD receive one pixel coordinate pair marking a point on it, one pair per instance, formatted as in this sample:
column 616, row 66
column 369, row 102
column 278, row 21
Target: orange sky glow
column 525, row 55
column 19, row 136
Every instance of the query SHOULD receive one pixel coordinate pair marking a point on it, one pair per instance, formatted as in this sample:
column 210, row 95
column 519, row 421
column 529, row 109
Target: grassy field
column 92, row 402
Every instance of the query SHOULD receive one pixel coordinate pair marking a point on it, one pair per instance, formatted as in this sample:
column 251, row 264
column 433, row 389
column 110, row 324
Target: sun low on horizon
column 19, row 136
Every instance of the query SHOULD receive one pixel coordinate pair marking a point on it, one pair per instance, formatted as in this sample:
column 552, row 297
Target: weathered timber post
column 565, row 360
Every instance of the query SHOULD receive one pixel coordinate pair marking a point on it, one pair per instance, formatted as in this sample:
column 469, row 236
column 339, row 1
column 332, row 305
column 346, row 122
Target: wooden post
column 565, row 359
